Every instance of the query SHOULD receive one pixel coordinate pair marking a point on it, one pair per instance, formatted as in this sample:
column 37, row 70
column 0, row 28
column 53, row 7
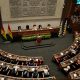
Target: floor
column 46, row 52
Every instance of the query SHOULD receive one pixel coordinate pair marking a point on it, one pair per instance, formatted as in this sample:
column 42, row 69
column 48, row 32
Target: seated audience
column 35, row 74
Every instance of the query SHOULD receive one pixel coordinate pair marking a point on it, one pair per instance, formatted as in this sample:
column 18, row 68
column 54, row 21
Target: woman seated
column 49, row 26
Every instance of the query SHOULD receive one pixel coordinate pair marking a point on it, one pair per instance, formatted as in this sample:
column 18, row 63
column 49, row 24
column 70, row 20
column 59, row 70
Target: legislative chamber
column 39, row 39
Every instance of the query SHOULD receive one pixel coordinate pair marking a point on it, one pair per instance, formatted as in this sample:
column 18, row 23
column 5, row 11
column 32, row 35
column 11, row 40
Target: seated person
column 38, row 62
column 75, row 75
column 35, row 74
column 67, row 69
column 49, row 26
column 40, row 27
column 31, row 63
column 46, row 73
column 15, row 69
column 6, row 70
column 27, row 27
column 19, row 27
column 34, row 27
column 25, row 74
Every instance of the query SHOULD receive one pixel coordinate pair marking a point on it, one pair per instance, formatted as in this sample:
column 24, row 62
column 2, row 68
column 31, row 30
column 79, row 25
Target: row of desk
column 7, row 68
column 3, row 77
column 31, row 32
column 23, row 71
column 16, row 59
column 69, row 59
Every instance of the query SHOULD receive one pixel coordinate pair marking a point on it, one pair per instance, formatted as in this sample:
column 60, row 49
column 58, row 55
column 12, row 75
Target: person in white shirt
column 16, row 67
column 49, row 26
column 46, row 73
column 34, row 27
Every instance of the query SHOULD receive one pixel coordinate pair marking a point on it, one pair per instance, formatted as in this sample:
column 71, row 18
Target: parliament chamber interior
column 39, row 39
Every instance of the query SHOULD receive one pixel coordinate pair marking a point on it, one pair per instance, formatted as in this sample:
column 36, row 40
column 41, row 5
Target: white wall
column 23, row 24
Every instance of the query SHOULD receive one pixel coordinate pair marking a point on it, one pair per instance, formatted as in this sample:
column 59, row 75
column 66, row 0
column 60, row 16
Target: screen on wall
column 78, row 1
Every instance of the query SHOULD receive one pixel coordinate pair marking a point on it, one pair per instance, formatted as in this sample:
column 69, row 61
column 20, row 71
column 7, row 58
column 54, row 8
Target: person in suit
column 35, row 74
column 27, row 27
column 40, row 27
column 25, row 74
column 31, row 63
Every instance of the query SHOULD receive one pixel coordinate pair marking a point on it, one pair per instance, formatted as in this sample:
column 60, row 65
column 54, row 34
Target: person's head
column 34, row 25
column 49, row 25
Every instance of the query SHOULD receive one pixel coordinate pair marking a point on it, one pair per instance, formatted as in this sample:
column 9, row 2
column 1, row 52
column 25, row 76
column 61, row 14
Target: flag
column 9, row 32
column 65, row 27
column 60, row 30
column 3, row 32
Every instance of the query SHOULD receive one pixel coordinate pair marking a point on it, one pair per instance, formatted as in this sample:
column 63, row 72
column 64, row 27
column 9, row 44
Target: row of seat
column 24, row 71
column 75, row 74
column 69, row 59
column 20, row 60
column 70, row 64
column 3, row 77
column 68, row 53
column 22, row 67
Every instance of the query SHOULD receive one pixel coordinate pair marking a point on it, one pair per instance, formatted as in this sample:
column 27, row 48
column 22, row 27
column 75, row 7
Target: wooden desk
column 21, row 59
column 18, row 78
column 67, row 62
column 34, row 32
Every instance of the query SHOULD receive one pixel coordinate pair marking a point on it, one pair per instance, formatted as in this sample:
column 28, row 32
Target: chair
column 40, row 27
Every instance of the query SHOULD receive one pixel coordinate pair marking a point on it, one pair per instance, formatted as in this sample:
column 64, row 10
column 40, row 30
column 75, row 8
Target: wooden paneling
column 69, row 10
column 0, row 21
